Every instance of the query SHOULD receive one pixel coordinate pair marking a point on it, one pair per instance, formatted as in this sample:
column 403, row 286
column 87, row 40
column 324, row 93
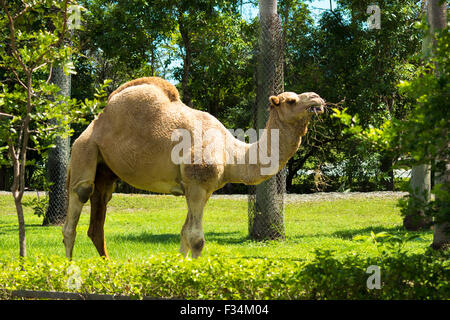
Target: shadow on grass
column 349, row 234
column 166, row 238
column 13, row 228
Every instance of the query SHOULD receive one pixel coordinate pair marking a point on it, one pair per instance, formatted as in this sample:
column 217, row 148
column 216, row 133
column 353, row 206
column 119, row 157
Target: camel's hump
column 169, row 89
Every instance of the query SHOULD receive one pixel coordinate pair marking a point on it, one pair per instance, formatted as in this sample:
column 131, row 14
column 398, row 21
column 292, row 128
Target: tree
column 344, row 61
column 222, row 46
column 423, row 136
column 420, row 182
column 420, row 194
column 27, row 52
column 437, row 15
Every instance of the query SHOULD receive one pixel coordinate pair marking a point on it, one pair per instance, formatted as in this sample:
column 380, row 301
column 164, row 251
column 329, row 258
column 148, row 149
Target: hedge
column 326, row 276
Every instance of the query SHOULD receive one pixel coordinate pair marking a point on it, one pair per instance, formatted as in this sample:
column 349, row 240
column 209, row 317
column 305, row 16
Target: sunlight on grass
column 139, row 225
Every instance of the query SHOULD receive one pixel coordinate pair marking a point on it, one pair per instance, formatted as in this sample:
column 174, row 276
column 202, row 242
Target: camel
column 133, row 139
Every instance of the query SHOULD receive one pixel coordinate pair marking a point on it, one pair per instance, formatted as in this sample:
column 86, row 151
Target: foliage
column 169, row 276
column 209, row 47
column 232, row 266
column 423, row 136
column 386, row 242
column 347, row 63
column 205, row 44
column 35, row 42
column 33, row 112
column 38, row 205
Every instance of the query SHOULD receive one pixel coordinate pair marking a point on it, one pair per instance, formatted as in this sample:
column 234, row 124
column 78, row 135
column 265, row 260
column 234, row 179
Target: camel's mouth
column 316, row 108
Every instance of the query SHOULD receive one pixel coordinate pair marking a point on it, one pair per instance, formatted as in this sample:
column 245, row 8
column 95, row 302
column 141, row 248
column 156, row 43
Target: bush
column 326, row 276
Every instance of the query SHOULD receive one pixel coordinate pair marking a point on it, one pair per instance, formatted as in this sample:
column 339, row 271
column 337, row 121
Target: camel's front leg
column 81, row 177
column 192, row 237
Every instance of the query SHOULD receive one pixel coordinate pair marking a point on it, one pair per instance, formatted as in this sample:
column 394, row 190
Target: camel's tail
column 68, row 188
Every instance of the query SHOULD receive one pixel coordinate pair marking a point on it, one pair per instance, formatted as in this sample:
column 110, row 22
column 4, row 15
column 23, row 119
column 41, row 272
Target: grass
column 138, row 226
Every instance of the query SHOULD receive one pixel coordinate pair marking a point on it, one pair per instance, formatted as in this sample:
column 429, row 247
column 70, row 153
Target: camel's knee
column 84, row 191
column 197, row 245
column 197, row 248
column 192, row 240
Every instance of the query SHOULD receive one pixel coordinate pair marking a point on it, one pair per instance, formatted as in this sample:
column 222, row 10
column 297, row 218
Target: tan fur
column 169, row 89
column 131, row 140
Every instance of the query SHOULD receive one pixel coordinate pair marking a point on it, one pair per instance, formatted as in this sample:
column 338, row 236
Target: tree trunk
column 420, row 184
column 2, row 178
column 17, row 190
column 386, row 167
column 437, row 17
column 187, row 60
column 420, row 175
column 21, row 220
column 266, row 214
column 290, row 175
column 441, row 232
column 58, row 161
column 19, row 159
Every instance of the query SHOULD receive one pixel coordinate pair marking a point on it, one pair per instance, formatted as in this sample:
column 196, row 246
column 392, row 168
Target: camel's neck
column 265, row 157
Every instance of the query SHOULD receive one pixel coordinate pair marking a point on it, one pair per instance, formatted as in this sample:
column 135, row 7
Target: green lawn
column 138, row 226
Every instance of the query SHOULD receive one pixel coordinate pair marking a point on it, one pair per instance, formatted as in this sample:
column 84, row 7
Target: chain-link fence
column 58, row 161
column 266, row 200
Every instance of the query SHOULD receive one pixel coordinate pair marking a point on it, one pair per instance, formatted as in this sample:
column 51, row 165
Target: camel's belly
column 171, row 184
column 162, row 187
column 152, row 173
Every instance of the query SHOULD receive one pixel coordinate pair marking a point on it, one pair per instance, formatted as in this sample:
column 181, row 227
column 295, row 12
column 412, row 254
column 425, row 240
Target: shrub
column 326, row 276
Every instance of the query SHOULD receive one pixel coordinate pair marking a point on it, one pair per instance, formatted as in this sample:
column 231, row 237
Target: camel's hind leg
column 104, row 187
column 192, row 237
column 80, row 185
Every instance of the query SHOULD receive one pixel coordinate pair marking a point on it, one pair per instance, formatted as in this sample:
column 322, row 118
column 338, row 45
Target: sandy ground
column 328, row 196
column 290, row 198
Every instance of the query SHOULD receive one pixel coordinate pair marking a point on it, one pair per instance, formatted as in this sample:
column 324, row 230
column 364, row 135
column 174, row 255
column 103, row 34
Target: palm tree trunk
column 58, row 161
column 187, row 59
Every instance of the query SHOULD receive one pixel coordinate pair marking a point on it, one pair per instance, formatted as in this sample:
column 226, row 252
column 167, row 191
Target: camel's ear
column 274, row 101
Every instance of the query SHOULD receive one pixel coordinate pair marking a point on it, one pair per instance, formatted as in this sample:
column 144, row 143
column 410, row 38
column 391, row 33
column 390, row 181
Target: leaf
column 382, row 234
column 69, row 68
column 360, row 237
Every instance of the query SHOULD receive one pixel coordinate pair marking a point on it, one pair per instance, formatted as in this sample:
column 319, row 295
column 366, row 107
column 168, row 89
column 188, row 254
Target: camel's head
column 292, row 107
